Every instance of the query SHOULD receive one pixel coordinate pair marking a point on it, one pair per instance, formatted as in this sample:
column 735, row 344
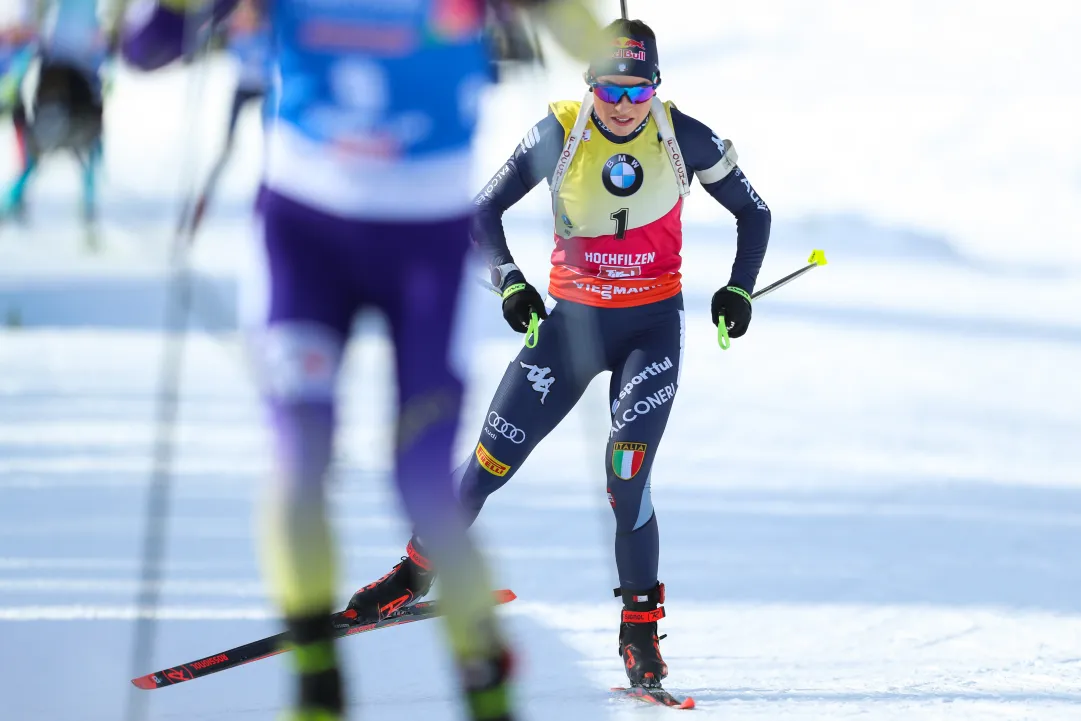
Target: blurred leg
column 90, row 164
column 299, row 326
column 421, row 303
column 14, row 201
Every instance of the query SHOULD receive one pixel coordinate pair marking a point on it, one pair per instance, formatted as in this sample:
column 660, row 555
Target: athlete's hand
column 734, row 304
column 520, row 302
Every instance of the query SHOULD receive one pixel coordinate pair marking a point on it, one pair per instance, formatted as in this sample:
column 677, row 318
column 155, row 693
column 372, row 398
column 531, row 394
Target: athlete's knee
column 631, row 513
column 631, row 502
column 429, row 411
column 483, row 475
column 297, row 361
column 297, row 365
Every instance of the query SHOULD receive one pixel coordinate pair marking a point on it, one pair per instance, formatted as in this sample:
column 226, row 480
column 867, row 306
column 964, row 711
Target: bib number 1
column 621, row 217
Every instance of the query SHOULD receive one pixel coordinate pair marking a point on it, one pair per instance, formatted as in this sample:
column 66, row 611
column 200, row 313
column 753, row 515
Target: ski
column 279, row 643
column 654, row 695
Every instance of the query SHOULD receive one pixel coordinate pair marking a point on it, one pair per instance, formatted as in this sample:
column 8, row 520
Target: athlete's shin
column 427, row 424
column 481, row 653
column 298, row 548
column 638, row 555
column 319, row 693
column 478, row 481
column 426, row 430
column 299, row 552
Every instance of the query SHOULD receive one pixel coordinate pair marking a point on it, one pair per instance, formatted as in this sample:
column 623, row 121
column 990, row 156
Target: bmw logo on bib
column 622, row 175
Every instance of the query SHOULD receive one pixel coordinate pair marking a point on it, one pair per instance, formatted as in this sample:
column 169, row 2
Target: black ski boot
column 638, row 643
column 407, row 582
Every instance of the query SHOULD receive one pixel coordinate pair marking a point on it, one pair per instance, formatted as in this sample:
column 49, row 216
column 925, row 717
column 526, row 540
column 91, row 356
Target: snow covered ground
column 869, row 507
column 858, row 519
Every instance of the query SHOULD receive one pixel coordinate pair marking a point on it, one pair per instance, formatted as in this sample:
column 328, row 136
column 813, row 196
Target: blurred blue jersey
column 376, row 104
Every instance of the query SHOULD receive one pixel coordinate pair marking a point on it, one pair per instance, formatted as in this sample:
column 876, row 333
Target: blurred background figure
column 16, row 52
column 365, row 204
column 247, row 39
column 66, row 106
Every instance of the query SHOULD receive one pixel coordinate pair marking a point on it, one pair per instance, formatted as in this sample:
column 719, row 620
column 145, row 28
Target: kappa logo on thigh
column 627, row 459
column 542, row 382
column 490, row 462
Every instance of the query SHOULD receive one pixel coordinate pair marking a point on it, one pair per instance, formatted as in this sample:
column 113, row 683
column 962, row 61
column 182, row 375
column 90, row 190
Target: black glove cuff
column 512, row 278
column 730, row 284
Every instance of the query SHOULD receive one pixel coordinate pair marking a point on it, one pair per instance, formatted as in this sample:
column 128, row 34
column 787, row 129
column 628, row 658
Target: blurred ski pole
column 179, row 296
column 818, row 257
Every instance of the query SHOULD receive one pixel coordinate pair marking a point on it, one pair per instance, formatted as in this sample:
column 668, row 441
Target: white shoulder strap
column 668, row 139
column 574, row 139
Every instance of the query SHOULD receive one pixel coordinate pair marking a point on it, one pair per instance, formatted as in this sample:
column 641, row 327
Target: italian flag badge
column 627, row 458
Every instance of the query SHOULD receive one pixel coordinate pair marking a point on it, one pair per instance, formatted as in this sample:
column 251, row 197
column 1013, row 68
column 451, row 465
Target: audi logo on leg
column 505, row 428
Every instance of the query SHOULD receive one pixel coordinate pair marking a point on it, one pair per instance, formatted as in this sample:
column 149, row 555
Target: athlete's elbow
column 755, row 213
column 486, row 213
column 485, row 223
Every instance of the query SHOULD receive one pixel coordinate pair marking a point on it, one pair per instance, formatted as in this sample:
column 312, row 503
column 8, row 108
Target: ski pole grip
column 533, row 331
column 722, row 334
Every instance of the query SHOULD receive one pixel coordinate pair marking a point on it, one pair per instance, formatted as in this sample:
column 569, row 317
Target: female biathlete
column 619, row 165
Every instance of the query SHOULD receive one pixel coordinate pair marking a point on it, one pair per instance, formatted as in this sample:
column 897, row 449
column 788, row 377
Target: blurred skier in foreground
column 66, row 110
column 619, row 165
column 364, row 205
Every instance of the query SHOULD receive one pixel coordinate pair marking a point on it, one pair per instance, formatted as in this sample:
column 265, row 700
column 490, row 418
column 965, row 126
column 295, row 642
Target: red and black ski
column 654, row 695
column 279, row 643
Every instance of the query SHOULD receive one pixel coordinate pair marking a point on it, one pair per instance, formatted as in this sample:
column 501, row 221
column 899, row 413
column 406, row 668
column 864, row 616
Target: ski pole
column 532, row 333
column 485, row 284
column 818, row 257
column 176, row 330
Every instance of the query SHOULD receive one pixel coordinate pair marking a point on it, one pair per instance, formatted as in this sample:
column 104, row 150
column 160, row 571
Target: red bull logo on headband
column 625, row 49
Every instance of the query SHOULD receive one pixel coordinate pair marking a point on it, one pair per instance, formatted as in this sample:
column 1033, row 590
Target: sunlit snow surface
column 870, row 507
column 856, row 519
